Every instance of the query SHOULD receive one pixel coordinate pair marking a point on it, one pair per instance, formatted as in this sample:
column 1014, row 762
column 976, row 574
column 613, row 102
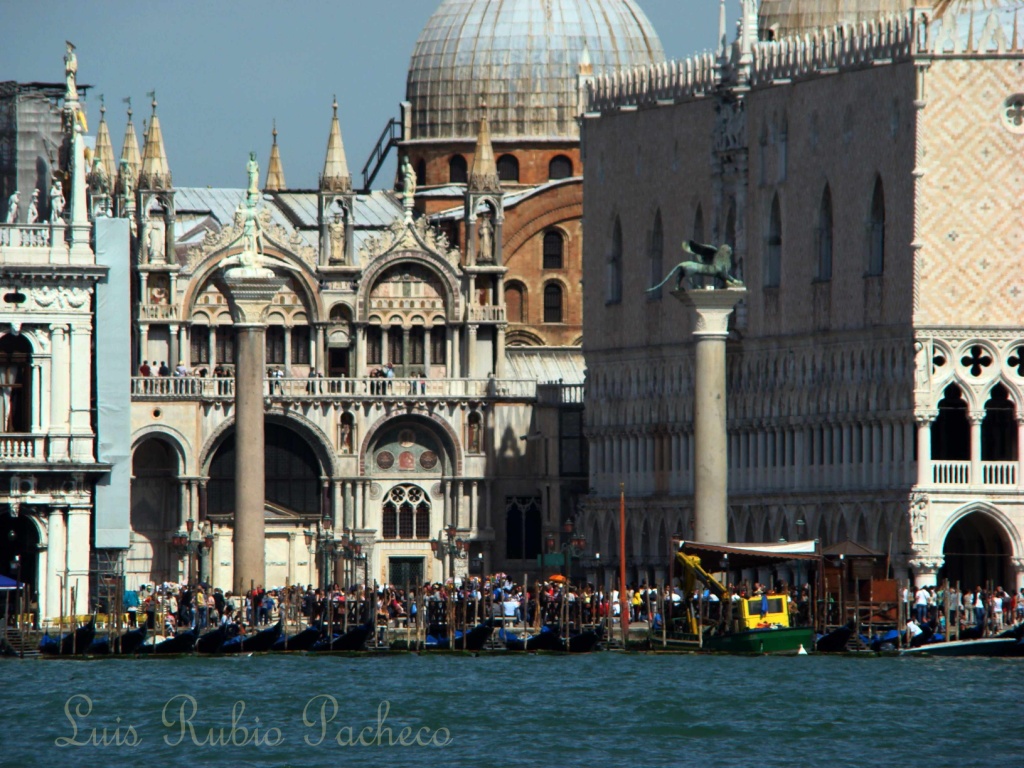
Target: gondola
column 584, row 642
column 183, row 642
column 6, row 649
column 301, row 641
column 545, row 640
column 353, row 640
column 130, row 641
column 260, row 642
column 836, row 640
column 72, row 643
column 473, row 640
column 215, row 638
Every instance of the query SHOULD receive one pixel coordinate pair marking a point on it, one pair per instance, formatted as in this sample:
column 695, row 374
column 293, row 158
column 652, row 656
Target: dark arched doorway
column 976, row 553
column 155, row 513
column 15, row 384
column 292, row 470
column 19, row 560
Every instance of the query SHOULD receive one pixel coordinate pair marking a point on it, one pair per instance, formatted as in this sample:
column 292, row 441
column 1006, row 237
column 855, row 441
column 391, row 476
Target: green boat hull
column 787, row 640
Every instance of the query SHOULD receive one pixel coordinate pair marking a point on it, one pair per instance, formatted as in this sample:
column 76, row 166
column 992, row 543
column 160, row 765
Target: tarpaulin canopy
column 751, row 555
column 8, row 583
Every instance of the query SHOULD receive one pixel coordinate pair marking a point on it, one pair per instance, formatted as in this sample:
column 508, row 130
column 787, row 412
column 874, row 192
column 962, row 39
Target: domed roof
column 522, row 57
column 797, row 17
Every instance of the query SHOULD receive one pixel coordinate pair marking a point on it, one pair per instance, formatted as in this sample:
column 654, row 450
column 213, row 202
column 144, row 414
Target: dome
column 522, row 57
column 797, row 17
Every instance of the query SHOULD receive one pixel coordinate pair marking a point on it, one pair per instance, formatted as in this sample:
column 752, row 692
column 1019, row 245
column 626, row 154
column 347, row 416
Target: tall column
column 1020, row 459
column 287, row 351
column 56, row 560
column 710, row 310
column 173, row 352
column 456, row 354
column 976, row 419
column 357, row 511
column 924, row 448
column 499, row 351
column 252, row 289
column 78, row 557
column 60, row 388
column 471, row 351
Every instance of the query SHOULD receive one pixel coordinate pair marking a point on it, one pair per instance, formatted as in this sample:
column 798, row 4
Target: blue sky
column 224, row 70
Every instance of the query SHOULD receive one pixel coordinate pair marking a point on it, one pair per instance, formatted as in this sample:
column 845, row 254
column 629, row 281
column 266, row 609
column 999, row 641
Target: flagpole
column 624, row 604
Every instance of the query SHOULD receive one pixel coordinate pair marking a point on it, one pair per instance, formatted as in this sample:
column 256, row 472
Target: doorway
column 337, row 362
column 976, row 553
column 405, row 572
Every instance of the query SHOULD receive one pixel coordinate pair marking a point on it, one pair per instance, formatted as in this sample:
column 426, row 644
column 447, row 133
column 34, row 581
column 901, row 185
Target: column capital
column 923, row 418
column 711, row 308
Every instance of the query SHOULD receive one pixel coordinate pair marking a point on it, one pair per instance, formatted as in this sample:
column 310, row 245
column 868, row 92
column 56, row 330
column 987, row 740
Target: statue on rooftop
column 713, row 261
column 70, row 72
column 33, row 208
column 253, row 169
column 12, row 208
column 56, row 201
column 408, row 182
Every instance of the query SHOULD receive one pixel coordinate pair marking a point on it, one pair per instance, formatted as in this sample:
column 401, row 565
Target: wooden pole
column 624, row 606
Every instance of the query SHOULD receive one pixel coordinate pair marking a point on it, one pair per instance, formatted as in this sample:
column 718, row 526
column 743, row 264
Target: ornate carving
column 403, row 235
column 918, row 517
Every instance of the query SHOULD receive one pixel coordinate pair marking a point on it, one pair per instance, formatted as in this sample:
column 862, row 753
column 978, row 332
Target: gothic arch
column 308, row 430
column 1000, row 518
column 449, row 278
column 448, row 438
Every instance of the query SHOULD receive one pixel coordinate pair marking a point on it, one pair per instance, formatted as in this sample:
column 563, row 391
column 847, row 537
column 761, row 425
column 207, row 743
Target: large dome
column 783, row 18
column 522, row 56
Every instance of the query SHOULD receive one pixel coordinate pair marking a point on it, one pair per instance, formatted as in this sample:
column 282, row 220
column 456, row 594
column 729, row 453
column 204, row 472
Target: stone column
column 78, row 556
column 499, row 351
column 471, row 351
column 976, row 419
column 56, row 556
column 926, row 571
column 252, row 288
column 710, row 310
column 1020, row 458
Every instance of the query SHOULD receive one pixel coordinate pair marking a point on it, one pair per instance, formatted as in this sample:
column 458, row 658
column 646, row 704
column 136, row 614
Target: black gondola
column 130, row 641
column 72, row 643
column 353, row 640
column 301, row 641
column 258, row 643
column 183, row 642
column 474, row 640
column 545, row 640
column 215, row 638
column 836, row 640
column 584, row 642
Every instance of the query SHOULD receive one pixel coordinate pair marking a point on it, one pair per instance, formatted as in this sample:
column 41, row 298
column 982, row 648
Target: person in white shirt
column 921, row 604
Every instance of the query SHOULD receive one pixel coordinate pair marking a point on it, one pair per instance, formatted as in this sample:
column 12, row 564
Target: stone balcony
column 959, row 473
column 170, row 388
column 29, row 236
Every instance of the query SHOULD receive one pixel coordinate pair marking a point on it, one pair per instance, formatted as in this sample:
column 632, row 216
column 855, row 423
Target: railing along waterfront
column 194, row 388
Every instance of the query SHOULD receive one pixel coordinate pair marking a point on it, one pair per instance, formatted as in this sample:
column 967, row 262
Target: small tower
column 103, row 171
column 484, row 210
column 127, row 175
column 336, row 200
column 275, row 172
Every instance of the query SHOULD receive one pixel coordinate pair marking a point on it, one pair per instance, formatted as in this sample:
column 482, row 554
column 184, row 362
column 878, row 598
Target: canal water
column 605, row 709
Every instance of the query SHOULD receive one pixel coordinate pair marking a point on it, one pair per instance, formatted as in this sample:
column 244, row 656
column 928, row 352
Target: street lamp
column 574, row 546
column 322, row 544
column 191, row 542
column 451, row 546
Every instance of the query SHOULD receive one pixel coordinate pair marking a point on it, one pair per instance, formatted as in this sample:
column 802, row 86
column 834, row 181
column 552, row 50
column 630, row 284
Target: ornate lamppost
column 574, row 546
column 321, row 544
column 192, row 542
column 451, row 547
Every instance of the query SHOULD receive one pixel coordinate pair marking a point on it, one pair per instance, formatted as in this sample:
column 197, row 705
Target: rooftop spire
column 129, row 152
column 104, row 148
column 156, row 173
column 335, row 177
column 275, row 173
column 484, row 175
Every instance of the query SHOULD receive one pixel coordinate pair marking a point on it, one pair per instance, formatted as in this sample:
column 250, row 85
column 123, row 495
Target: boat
column 72, row 643
column 836, row 640
column 353, row 640
column 215, row 638
column 584, row 642
column 260, row 642
column 183, row 642
column 301, row 641
column 473, row 640
column 545, row 640
column 130, row 641
column 987, row 646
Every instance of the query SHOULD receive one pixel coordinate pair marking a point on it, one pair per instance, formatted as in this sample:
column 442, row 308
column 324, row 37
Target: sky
column 224, row 71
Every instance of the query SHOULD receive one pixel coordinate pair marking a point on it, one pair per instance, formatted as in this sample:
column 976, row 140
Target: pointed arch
column 773, row 252
column 876, row 231
column 993, row 513
column 824, row 235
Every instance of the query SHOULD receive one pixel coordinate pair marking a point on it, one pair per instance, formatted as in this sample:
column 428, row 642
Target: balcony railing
column 487, row 313
column 560, row 394
column 158, row 311
column 951, row 472
column 22, row 448
column 999, row 472
column 190, row 388
column 26, row 235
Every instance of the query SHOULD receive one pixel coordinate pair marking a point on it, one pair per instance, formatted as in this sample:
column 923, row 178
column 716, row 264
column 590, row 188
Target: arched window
column 406, row 513
column 300, row 345
column 15, row 384
column 199, row 342
column 553, row 247
column 421, row 173
column 508, row 168
column 613, row 295
column 824, row 235
column 515, row 302
column 773, row 255
column 552, row 303
column 275, row 345
column 951, row 431
column 657, row 255
column 876, row 235
column 560, row 167
column 999, row 427
column 458, row 173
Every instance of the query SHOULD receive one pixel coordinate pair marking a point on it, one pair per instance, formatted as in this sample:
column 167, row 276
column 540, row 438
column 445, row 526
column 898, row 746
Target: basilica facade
column 864, row 170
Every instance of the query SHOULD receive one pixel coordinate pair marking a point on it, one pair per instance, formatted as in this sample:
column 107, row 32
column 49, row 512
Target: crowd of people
column 988, row 612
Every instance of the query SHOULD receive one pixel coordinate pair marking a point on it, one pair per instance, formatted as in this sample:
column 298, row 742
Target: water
column 606, row 709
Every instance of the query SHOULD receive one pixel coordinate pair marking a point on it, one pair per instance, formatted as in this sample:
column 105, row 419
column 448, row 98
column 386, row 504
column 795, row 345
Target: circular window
column 428, row 460
column 385, row 459
column 1013, row 112
column 157, row 413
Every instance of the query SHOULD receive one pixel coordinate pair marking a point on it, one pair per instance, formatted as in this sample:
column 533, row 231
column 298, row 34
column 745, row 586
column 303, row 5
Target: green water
column 606, row 709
